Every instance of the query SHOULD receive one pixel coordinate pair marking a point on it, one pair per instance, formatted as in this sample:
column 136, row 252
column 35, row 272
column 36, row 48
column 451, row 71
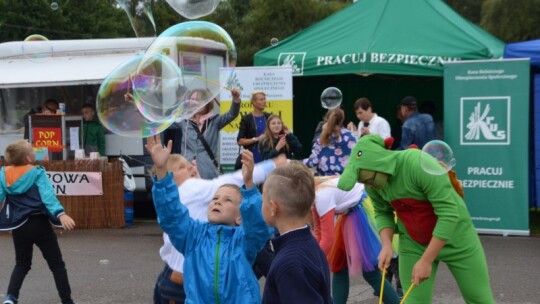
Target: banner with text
column 486, row 122
column 276, row 82
column 50, row 138
column 76, row 183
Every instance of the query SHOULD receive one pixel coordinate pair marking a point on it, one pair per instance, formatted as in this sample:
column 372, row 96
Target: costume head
column 368, row 157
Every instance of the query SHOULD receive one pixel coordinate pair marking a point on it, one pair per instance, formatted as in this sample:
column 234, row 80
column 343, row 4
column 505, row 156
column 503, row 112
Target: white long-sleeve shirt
column 377, row 125
column 328, row 196
column 196, row 194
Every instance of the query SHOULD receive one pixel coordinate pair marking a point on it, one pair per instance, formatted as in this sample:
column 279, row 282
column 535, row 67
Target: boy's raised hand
column 235, row 95
column 159, row 153
column 247, row 168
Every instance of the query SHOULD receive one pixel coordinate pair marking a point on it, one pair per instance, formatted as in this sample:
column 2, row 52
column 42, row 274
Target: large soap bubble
column 193, row 9
column 37, row 48
column 331, row 98
column 116, row 106
column 200, row 49
column 158, row 88
column 140, row 16
column 437, row 158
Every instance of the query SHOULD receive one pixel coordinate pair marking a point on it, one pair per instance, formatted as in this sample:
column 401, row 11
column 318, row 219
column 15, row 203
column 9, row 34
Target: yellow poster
column 275, row 82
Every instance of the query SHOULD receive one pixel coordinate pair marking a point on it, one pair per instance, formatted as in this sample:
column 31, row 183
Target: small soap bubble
column 54, row 6
column 37, row 48
column 331, row 98
column 193, row 9
column 437, row 158
column 274, row 41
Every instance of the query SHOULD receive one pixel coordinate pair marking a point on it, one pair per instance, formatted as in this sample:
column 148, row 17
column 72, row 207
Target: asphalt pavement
column 121, row 266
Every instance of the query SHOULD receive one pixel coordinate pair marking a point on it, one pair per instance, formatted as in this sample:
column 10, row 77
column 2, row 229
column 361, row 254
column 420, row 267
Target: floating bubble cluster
column 175, row 78
column 158, row 88
column 205, row 48
column 117, row 108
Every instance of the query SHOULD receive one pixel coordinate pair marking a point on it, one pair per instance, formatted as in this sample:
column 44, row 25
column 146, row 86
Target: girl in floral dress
column 331, row 150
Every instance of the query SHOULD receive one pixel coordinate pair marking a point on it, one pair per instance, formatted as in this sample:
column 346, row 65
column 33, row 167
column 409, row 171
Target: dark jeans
column 37, row 230
column 340, row 286
column 167, row 291
column 393, row 271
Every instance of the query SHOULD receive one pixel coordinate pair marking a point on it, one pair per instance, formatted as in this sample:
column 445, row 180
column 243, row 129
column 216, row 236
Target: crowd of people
column 294, row 221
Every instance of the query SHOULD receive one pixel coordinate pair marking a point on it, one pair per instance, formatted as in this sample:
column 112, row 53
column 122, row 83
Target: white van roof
column 72, row 62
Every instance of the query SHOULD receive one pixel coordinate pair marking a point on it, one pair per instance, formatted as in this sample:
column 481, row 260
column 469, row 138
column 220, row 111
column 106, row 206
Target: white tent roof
column 20, row 73
column 73, row 62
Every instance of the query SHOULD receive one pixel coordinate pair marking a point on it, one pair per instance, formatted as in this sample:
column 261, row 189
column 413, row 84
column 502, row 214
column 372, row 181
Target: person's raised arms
column 235, row 95
column 248, row 164
column 159, row 153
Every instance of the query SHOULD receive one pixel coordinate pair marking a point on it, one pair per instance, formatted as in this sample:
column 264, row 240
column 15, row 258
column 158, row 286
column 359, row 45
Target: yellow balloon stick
column 382, row 285
column 407, row 294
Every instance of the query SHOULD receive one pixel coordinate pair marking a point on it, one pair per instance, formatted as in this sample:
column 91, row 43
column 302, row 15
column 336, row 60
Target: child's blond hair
column 234, row 187
column 17, row 153
column 171, row 161
column 293, row 188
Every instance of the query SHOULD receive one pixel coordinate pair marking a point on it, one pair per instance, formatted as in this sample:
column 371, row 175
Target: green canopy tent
column 403, row 37
column 381, row 49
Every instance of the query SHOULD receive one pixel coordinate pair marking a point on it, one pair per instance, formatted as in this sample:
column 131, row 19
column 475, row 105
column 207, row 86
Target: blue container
column 128, row 212
column 128, row 208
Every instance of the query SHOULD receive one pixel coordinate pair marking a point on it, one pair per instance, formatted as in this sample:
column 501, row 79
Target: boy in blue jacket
column 28, row 206
column 219, row 253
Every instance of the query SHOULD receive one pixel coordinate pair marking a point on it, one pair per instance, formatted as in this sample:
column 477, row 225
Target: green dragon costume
column 427, row 207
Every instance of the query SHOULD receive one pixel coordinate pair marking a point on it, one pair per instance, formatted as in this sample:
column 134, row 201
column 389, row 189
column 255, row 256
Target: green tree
column 71, row 20
column 468, row 9
column 241, row 7
column 251, row 23
column 280, row 19
column 511, row 20
column 97, row 19
column 165, row 16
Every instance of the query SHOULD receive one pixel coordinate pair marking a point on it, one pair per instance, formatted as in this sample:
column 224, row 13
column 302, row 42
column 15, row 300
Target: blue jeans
column 166, row 291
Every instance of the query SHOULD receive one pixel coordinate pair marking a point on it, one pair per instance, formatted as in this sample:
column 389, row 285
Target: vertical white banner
column 275, row 81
